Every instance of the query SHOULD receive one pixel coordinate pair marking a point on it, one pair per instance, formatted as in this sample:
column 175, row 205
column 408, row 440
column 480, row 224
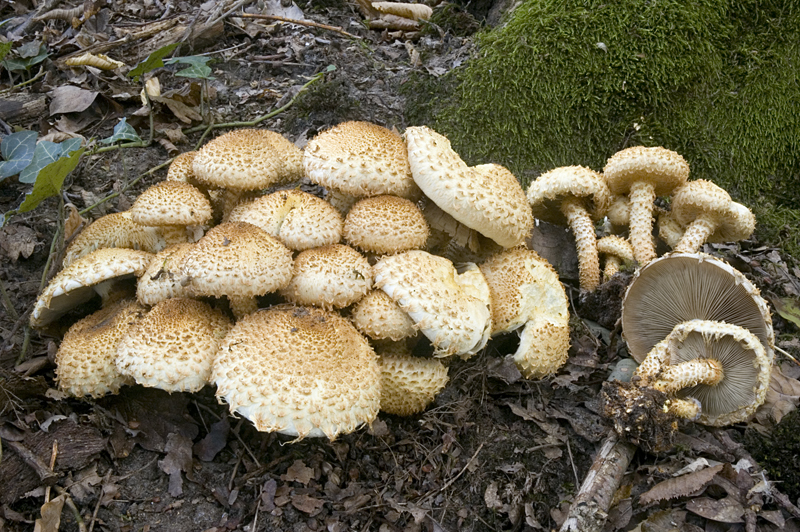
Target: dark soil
column 494, row 452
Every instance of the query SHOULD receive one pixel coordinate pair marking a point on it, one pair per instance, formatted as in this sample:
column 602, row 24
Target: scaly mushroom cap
column 663, row 168
column 330, row 276
column 163, row 277
column 243, row 159
column 115, row 230
column 171, row 203
column 487, row 198
column 85, row 358
column 173, row 346
column 385, row 224
column 376, row 315
column 360, row 159
column 453, row 310
column 708, row 214
column 574, row 195
column 298, row 219
column 644, row 174
column 79, row 282
column 237, row 259
column 723, row 366
column 180, row 169
column 526, row 291
column 409, row 384
column 617, row 250
column 300, row 371
column 680, row 287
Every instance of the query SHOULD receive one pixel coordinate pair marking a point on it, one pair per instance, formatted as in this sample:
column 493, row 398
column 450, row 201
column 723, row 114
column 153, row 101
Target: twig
column 45, row 474
column 466, row 466
column 229, row 12
column 126, row 187
column 12, row 312
column 310, row 23
column 24, row 83
column 572, row 462
column 53, row 455
column 71, row 505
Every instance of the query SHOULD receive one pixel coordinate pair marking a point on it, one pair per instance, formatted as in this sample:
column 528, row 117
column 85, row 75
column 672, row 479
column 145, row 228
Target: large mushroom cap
column 385, row 224
column 171, row 203
column 330, row 276
column 115, row 230
column 298, row 219
column 663, row 168
column 679, row 287
column 173, row 346
column 746, row 369
column 300, row 371
column 487, row 198
column 453, row 310
column 360, row 159
column 81, row 280
column 85, row 358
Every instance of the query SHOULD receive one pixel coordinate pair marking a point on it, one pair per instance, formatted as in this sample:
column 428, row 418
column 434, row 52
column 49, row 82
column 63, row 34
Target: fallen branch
column 46, row 474
column 310, row 23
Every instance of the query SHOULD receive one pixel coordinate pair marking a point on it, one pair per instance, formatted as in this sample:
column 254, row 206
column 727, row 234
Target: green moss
column 779, row 453
column 571, row 82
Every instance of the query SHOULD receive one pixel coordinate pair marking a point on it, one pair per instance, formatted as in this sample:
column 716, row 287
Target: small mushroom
column 163, row 278
column 644, row 174
column 575, row 196
column 617, row 251
column 385, row 224
column 115, row 230
column 452, row 309
column 377, row 316
column 85, row 359
column 708, row 214
column 300, row 371
column 179, row 208
column 408, row 383
column 669, row 230
column 173, row 346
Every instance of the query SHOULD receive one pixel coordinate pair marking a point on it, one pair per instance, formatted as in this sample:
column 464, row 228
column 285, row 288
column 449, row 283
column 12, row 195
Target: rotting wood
column 19, row 108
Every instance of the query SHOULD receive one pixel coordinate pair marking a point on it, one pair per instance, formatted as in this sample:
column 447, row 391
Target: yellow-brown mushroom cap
column 663, row 168
column 486, row 198
column 76, row 283
column 453, row 310
column 243, row 159
column 360, row 159
column 733, row 221
column 301, row 371
column 377, row 315
column 409, row 384
column 548, row 191
column 385, row 224
column 115, row 230
column 171, row 203
column 163, row 278
column 237, row 259
column 180, row 169
column 298, row 219
column 85, row 359
column 616, row 246
column 330, row 276
column 174, row 346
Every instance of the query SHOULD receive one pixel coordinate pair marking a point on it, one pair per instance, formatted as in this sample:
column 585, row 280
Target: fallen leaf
column 782, row 397
column 727, row 510
column 683, row 486
column 307, row 504
column 213, row 442
column 51, row 515
column 298, row 472
column 70, row 99
column 18, row 240
column 179, row 458
column 268, row 495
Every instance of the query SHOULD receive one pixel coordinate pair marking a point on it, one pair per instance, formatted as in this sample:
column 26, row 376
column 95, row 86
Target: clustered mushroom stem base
column 585, row 241
column 697, row 233
column 642, row 196
column 611, row 267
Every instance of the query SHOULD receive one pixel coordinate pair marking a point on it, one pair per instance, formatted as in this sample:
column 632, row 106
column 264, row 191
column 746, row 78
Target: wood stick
column 46, row 474
column 311, row 23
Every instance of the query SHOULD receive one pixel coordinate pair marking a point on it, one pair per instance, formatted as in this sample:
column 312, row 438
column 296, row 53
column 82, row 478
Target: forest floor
column 494, row 452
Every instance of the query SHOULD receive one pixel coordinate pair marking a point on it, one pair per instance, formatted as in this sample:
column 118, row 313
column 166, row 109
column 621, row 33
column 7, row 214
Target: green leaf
column 788, row 308
column 27, row 55
column 29, row 50
column 198, row 66
column 50, row 179
column 123, row 132
column 4, row 49
column 153, row 61
column 17, row 149
column 46, row 152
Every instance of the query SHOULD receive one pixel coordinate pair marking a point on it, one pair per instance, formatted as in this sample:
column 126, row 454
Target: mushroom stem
column 685, row 408
column 642, row 196
column 585, row 241
column 690, row 373
column 612, row 267
column 697, row 233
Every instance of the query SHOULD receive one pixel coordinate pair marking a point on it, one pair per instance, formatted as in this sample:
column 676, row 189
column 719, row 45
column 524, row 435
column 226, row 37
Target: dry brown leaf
column 213, row 442
column 179, row 458
column 73, row 223
column 51, row 515
column 307, row 504
column 727, row 510
column 683, row 486
column 782, row 397
column 298, row 472
column 18, row 240
column 70, row 99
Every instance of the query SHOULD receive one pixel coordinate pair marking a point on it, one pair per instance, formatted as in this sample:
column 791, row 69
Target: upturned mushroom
column 680, row 287
column 173, row 346
column 85, row 359
column 237, row 260
column 300, row 371
column 385, row 224
column 644, row 174
column 574, row 196
column 707, row 214
column 486, row 198
column 616, row 251
column 360, row 159
column 452, row 309
column 527, row 293
column 298, row 219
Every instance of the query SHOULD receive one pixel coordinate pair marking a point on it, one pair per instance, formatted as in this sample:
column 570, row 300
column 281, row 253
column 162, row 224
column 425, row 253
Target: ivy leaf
column 153, row 61
column 27, row 55
column 17, row 149
column 45, row 153
column 50, row 179
column 4, row 49
column 123, row 131
column 198, row 66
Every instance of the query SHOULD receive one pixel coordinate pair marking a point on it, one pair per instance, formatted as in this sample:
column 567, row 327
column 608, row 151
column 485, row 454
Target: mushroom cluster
column 304, row 310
